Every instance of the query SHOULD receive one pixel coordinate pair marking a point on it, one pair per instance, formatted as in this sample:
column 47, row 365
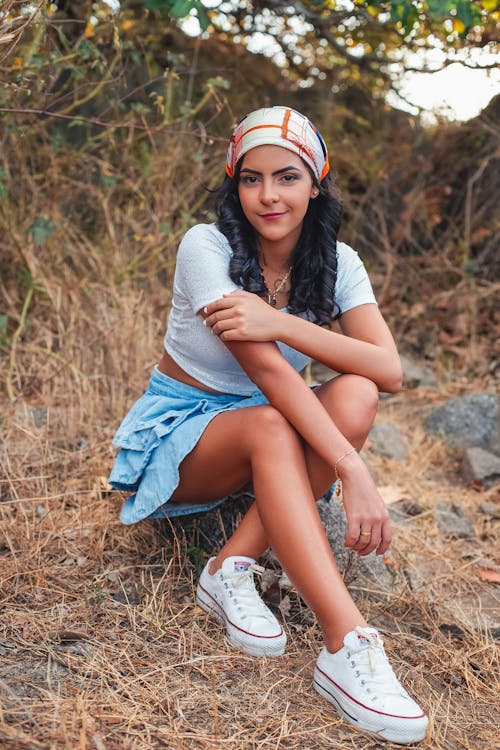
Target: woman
column 253, row 295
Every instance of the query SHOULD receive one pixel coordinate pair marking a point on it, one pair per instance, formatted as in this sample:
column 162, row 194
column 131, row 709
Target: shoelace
column 372, row 666
column 246, row 594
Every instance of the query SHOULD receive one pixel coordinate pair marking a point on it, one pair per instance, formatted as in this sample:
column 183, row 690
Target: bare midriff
column 169, row 367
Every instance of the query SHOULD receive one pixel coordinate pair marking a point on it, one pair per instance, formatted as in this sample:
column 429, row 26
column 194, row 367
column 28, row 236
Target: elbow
column 393, row 380
column 262, row 376
column 266, row 372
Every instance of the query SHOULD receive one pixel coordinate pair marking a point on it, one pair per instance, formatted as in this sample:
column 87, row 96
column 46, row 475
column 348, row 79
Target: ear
column 314, row 192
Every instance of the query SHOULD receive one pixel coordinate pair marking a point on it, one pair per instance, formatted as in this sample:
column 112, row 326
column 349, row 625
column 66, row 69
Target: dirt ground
column 103, row 647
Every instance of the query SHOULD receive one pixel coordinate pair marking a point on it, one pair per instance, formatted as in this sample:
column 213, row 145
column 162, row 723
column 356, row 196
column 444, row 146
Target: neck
column 276, row 260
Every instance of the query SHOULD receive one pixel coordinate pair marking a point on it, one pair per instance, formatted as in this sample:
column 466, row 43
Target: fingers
column 386, row 537
column 224, row 303
column 365, row 536
column 353, row 529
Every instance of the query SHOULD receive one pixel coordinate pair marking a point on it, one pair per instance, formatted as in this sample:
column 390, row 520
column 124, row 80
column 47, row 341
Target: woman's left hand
column 243, row 316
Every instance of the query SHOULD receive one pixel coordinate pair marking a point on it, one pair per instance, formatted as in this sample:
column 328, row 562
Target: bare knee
column 367, row 393
column 269, row 429
column 352, row 402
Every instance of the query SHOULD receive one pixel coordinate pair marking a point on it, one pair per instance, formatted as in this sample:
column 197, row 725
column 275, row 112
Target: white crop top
column 202, row 276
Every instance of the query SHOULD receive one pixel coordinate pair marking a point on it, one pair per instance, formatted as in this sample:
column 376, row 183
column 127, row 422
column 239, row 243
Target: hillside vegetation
column 109, row 139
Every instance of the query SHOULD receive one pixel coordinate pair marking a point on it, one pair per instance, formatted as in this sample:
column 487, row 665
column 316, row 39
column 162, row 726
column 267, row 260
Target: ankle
column 214, row 565
column 334, row 641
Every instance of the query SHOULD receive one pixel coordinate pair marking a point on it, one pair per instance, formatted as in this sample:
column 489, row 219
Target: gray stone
column 482, row 466
column 415, row 374
column 31, row 416
column 478, row 612
column 404, row 511
column 367, row 573
column 202, row 534
column 452, row 521
column 468, row 421
column 321, row 373
column 490, row 509
column 387, row 441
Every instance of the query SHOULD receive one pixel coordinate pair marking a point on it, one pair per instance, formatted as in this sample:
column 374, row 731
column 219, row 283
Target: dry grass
column 101, row 643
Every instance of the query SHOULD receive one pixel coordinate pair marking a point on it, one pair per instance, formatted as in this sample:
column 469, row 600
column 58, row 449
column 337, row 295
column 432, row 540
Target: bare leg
column 352, row 402
column 259, row 443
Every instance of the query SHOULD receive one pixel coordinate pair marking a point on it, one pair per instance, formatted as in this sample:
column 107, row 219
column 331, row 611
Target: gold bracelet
column 341, row 458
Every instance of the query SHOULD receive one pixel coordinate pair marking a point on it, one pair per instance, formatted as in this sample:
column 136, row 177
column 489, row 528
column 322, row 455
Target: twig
column 16, row 335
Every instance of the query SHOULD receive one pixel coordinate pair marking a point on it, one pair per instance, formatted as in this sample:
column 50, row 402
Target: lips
column 269, row 217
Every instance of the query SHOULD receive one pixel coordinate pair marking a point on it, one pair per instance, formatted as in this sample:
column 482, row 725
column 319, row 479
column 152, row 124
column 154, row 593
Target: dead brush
column 101, row 644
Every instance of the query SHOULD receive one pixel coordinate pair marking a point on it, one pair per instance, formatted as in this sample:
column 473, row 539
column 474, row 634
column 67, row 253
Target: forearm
column 344, row 354
column 292, row 397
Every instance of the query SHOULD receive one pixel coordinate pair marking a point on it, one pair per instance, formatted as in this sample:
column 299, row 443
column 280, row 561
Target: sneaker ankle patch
column 362, row 638
column 241, row 565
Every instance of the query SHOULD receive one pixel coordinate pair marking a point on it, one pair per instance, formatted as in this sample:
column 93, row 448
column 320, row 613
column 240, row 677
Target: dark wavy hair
column 314, row 258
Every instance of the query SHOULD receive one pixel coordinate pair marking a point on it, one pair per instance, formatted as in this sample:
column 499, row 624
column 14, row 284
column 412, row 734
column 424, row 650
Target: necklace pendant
column 272, row 301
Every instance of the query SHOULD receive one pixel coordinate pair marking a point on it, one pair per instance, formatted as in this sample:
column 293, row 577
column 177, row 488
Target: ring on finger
column 365, row 533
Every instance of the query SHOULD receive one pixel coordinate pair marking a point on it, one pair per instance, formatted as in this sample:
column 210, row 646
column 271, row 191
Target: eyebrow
column 278, row 171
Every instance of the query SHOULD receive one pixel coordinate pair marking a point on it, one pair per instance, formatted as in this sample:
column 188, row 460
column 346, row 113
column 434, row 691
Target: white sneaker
column 360, row 683
column 231, row 596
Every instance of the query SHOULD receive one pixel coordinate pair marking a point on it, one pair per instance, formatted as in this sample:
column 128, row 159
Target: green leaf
column 409, row 18
column 203, row 17
column 3, row 330
column 26, row 278
column 140, row 108
column 219, row 82
column 467, row 13
column 182, row 8
column 41, row 229
column 441, row 8
column 153, row 5
column 108, row 181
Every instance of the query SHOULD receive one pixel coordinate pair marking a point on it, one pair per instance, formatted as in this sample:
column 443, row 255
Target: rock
column 405, row 510
column 481, row 465
column 37, row 416
column 320, row 373
column 490, row 509
column 205, row 533
column 478, row 612
column 415, row 374
column 387, row 441
column 422, row 572
column 468, row 421
column 364, row 572
column 452, row 521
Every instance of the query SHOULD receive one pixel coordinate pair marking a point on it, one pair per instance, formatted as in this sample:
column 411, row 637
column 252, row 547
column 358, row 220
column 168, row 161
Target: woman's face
column 275, row 188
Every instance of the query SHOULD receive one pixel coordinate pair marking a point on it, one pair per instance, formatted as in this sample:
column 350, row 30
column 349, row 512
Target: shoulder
column 353, row 285
column 205, row 236
column 347, row 256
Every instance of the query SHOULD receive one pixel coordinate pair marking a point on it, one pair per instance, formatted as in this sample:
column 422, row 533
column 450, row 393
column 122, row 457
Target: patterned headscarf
column 279, row 126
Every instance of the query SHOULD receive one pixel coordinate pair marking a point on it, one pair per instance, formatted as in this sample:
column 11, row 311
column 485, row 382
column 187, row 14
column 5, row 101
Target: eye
column 248, row 179
column 290, row 177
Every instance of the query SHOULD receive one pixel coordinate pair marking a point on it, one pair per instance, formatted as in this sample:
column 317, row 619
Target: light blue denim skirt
column 161, row 428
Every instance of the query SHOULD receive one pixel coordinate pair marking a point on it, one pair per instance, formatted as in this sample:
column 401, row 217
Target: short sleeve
column 202, row 268
column 353, row 285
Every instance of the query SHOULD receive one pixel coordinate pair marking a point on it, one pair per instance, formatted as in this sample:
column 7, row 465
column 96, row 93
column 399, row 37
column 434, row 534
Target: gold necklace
column 278, row 286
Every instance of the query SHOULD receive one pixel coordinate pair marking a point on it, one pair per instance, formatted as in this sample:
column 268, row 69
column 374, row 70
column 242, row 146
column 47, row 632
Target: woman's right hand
column 368, row 522
column 243, row 316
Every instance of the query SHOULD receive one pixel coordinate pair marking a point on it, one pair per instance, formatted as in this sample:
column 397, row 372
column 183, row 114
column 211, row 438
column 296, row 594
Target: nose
column 269, row 191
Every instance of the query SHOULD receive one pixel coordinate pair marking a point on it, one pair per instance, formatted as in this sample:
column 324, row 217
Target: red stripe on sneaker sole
column 368, row 708
column 246, row 632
